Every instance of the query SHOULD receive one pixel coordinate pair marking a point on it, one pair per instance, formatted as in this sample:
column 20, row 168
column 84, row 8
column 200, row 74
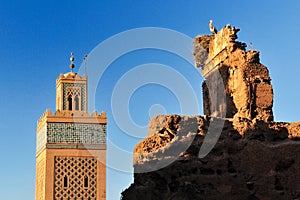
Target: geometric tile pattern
column 75, row 94
column 41, row 138
column 76, row 133
column 73, row 91
column 75, row 178
column 66, row 88
column 71, row 133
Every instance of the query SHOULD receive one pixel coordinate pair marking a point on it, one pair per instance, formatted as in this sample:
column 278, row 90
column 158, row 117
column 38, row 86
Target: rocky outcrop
column 251, row 160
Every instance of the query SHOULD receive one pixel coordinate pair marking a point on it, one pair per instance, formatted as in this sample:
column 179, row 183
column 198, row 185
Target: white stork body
column 212, row 28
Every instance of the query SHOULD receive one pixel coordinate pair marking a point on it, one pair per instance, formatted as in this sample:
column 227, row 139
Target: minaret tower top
column 71, row 91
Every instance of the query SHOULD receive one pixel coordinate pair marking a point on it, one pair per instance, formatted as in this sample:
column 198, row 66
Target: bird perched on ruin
column 212, row 28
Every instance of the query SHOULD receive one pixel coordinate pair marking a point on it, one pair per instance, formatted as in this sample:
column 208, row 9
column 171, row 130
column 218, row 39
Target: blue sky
column 36, row 38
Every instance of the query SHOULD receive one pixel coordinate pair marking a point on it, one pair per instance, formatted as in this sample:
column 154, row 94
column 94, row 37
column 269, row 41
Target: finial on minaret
column 85, row 61
column 72, row 66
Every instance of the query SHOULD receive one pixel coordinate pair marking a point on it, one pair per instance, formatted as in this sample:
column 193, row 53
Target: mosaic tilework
column 41, row 138
column 83, row 94
column 76, row 133
column 71, row 133
column 75, row 178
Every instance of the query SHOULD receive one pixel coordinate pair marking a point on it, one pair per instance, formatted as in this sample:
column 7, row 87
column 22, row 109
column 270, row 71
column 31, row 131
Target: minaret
column 71, row 145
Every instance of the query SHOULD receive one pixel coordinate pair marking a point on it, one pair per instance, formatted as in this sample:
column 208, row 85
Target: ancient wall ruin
column 251, row 160
column 253, row 157
column 236, row 83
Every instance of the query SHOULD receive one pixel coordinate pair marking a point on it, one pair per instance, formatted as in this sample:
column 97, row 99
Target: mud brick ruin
column 247, row 91
column 254, row 157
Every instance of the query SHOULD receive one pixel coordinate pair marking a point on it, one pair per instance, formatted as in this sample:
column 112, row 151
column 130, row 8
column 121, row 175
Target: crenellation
column 71, row 117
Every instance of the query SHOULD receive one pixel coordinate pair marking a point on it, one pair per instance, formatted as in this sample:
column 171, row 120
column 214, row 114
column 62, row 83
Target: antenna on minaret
column 72, row 66
column 85, row 63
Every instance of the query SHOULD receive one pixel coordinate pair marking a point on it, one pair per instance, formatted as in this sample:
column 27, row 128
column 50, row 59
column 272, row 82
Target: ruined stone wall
column 236, row 83
column 251, row 160
column 215, row 97
column 254, row 157
column 225, row 38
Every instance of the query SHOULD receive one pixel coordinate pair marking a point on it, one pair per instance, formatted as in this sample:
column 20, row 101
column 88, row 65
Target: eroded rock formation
column 253, row 158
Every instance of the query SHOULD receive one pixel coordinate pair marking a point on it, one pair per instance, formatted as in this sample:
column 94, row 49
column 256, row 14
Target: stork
column 212, row 28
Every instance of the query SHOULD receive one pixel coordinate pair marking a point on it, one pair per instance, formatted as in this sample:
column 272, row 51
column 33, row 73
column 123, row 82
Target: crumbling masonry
column 237, row 84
